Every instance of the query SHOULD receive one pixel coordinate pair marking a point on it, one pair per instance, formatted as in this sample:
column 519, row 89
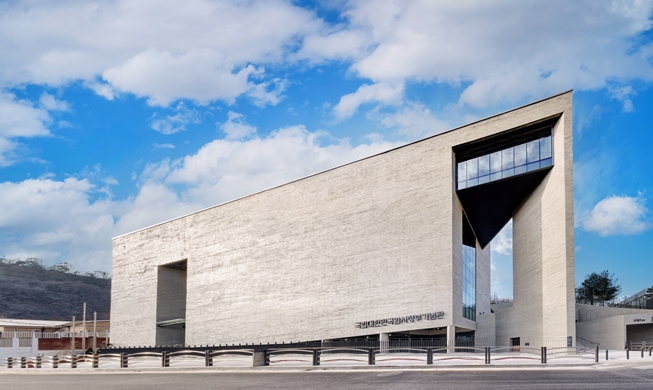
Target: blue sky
column 115, row 115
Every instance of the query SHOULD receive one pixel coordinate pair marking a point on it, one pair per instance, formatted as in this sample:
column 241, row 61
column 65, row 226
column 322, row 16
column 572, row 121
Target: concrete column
column 258, row 359
column 35, row 344
column 384, row 342
column 15, row 341
column 451, row 336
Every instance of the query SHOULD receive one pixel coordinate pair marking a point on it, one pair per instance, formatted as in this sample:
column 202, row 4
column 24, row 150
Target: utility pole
column 84, row 329
column 94, row 331
column 72, row 340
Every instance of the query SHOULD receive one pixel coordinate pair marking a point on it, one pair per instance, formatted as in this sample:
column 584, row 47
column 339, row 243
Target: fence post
column 96, row 360
column 123, row 360
column 370, row 357
column 316, row 357
column 165, row 359
column 55, row 361
column 487, row 355
column 260, row 358
column 429, row 355
column 642, row 348
column 208, row 359
column 596, row 355
column 10, row 362
column 73, row 361
column 543, row 355
column 627, row 353
column 38, row 361
column 650, row 349
column 23, row 362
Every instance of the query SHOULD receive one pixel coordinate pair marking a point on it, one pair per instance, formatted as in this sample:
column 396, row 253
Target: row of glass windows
column 469, row 282
column 512, row 161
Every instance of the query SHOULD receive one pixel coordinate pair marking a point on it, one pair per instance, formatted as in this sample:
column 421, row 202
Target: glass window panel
column 484, row 165
column 520, row 154
column 545, row 147
column 520, row 169
column 462, row 171
column 472, row 182
column 546, row 162
column 483, row 179
column 495, row 176
column 462, row 185
column 507, row 158
column 495, row 162
column 532, row 151
column 533, row 166
column 508, row 173
column 472, row 168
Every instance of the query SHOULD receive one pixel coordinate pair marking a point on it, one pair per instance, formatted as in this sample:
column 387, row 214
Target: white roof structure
column 14, row 323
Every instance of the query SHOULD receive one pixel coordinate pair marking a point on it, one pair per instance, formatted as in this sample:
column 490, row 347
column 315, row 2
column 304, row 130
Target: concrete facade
column 613, row 327
column 375, row 239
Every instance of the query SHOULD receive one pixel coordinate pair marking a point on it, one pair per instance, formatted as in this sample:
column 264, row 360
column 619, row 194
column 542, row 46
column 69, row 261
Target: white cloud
column 19, row 118
column 200, row 50
column 175, row 123
column 623, row 94
column 203, row 75
column 104, row 90
column 52, row 219
column 236, row 128
column 261, row 95
column 415, row 120
column 386, row 93
column 48, row 102
column 617, row 215
column 207, row 50
column 502, row 242
column 506, row 51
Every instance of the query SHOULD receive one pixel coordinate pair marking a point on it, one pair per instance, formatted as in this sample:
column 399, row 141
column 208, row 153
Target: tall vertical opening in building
column 171, row 304
column 469, row 271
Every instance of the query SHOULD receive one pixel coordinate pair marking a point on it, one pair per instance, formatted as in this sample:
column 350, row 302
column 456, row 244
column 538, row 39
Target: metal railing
column 293, row 355
column 49, row 335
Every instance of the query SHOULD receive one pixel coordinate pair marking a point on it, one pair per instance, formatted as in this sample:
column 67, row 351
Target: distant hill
column 29, row 290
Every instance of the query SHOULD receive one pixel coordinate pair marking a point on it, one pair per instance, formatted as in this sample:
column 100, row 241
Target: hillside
column 29, row 290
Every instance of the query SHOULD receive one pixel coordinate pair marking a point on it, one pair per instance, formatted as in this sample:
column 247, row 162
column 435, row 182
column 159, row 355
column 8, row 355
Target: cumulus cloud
column 161, row 50
column 49, row 103
column 415, row 120
column 386, row 93
column 623, row 94
column 617, row 215
column 203, row 75
column 55, row 219
column 175, row 123
column 581, row 45
column 235, row 127
column 502, row 242
column 19, row 118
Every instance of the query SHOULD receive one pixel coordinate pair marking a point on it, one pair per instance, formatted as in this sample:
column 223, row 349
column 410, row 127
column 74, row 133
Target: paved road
column 640, row 377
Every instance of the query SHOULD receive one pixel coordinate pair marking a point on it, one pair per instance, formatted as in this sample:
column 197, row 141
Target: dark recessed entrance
column 171, row 304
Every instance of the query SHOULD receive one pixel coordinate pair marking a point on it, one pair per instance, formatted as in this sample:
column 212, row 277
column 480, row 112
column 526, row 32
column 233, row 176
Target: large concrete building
column 394, row 244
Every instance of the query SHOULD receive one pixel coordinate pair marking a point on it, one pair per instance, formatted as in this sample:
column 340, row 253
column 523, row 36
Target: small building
column 613, row 327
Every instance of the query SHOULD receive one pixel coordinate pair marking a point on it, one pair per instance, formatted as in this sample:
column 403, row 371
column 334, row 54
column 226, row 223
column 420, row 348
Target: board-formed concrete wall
column 378, row 238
